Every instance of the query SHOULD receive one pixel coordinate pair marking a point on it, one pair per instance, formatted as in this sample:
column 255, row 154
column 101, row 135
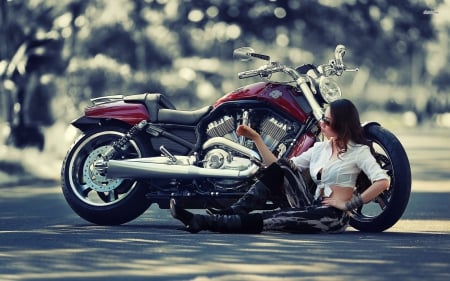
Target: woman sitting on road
column 334, row 166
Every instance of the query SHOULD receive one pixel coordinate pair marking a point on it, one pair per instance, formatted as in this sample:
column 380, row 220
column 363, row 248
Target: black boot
column 180, row 214
column 255, row 198
column 252, row 223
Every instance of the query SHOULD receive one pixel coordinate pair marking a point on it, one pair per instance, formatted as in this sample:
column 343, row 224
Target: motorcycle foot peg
column 141, row 125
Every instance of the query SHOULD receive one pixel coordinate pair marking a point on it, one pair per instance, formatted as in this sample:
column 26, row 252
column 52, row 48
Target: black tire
column 384, row 211
column 93, row 197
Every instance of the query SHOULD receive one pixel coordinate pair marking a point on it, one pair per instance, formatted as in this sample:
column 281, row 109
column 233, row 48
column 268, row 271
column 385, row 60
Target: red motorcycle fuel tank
column 280, row 95
column 131, row 113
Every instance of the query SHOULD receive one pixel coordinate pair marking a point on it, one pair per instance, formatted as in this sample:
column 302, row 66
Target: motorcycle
column 138, row 150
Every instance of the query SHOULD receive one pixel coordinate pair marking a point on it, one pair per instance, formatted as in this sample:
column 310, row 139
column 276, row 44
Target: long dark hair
column 346, row 124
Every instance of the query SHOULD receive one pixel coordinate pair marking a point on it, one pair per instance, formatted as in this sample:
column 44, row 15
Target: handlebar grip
column 248, row 74
column 263, row 72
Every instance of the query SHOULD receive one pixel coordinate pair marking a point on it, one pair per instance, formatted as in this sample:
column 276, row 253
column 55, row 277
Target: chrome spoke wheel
column 88, row 184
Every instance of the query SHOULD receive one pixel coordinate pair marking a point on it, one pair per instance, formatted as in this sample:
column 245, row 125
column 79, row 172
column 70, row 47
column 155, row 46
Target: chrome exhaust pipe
column 141, row 169
column 163, row 167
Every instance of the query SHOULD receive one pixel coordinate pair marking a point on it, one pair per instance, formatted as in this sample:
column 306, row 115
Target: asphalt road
column 42, row 239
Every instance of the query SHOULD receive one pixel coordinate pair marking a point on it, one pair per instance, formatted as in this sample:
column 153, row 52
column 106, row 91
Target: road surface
column 42, row 239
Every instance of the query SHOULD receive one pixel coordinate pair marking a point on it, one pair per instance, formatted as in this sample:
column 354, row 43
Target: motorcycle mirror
column 243, row 53
column 339, row 52
column 247, row 53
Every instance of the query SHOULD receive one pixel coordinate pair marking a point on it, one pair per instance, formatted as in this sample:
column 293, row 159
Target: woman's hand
column 266, row 154
column 368, row 195
column 334, row 202
column 247, row 132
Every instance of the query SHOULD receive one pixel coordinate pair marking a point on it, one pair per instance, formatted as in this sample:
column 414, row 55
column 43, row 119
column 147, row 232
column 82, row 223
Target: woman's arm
column 267, row 155
column 374, row 190
column 368, row 195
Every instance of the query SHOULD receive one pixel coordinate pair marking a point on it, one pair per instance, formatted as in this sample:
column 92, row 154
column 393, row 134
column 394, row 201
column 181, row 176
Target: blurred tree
column 385, row 33
column 161, row 45
column 33, row 51
column 442, row 81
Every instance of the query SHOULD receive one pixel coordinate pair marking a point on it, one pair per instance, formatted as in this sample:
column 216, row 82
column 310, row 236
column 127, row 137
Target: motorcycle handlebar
column 263, row 72
column 248, row 74
column 335, row 67
column 301, row 81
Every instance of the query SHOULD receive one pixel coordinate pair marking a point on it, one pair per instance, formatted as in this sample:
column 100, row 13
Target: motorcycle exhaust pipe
column 138, row 168
column 163, row 167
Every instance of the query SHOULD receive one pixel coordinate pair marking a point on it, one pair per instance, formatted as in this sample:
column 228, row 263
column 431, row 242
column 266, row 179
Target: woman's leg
column 268, row 186
column 314, row 219
column 245, row 223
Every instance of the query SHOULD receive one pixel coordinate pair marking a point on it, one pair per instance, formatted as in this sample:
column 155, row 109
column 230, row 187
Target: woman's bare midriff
column 342, row 193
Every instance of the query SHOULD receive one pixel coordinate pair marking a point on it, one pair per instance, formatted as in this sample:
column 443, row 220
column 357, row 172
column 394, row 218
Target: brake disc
column 93, row 178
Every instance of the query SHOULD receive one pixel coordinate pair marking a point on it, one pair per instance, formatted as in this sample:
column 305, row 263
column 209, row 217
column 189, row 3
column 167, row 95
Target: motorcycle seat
column 181, row 116
column 162, row 110
column 153, row 101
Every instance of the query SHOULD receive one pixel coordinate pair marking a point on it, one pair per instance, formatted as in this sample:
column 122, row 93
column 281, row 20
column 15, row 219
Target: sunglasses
column 325, row 120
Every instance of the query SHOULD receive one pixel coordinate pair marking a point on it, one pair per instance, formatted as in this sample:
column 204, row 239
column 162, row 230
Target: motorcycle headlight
column 329, row 89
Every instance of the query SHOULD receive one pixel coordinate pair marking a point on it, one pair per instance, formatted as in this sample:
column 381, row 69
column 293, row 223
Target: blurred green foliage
column 184, row 48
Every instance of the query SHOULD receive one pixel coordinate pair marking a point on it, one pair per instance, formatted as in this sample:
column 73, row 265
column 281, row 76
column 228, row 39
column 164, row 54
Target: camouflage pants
column 302, row 214
column 313, row 219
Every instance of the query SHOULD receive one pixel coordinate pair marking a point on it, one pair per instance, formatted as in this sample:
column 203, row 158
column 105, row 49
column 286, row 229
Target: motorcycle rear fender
column 85, row 123
column 131, row 113
column 129, row 109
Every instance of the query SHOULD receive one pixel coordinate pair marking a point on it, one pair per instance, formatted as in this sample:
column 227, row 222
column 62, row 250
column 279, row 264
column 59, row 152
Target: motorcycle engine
column 223, row 127
column 221, row 159
column 272, row 132
column 271, row 129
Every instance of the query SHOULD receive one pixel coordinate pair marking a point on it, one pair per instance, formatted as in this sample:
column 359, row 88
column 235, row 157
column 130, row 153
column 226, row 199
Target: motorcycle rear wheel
column 92, row 196
column 385, row 210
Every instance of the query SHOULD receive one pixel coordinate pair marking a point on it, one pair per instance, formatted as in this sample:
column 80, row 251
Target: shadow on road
column 163, row 252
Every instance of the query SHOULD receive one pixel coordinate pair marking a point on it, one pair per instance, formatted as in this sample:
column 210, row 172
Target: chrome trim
column 163, row 167
column 101, row 100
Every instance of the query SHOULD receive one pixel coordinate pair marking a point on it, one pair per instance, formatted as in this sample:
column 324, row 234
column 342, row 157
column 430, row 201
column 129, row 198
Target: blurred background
column 57, row 54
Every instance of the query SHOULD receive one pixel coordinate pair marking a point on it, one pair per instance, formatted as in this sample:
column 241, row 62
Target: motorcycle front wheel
column 93, row 196
column 385, row 210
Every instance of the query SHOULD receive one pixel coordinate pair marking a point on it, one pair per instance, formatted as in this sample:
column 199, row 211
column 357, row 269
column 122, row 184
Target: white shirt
column 342, row 171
